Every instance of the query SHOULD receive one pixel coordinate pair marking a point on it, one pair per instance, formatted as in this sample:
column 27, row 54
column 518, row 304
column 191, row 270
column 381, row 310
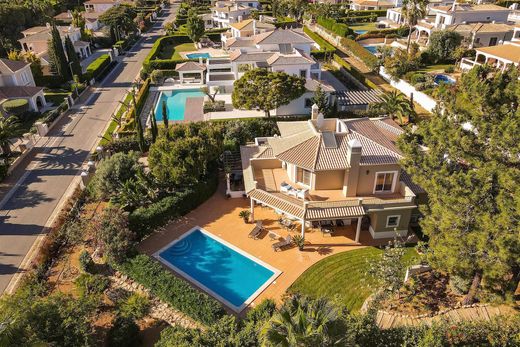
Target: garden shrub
column 125, row 145
column 85, row 261
column 172, row 289
column 16, row 106
column 326, row 49
column 337, row 28
column 89, row 284
column 96, row 68
column 381, row 33
column 450, row 69
column 136, row 306
column 124, row 332
column 145, row 219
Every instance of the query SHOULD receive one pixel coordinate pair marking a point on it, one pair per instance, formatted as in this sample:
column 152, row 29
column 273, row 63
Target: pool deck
column 193, row 110
column 219, row 216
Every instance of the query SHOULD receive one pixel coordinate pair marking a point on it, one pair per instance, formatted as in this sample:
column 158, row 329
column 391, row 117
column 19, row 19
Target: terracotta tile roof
column 481, row 28
column 291, row 128
column 407, row 179
column 367, row 128
column 334, row 209
column 240, row 42
column 333, row 158
column 280, row 36
column 190, row 66
column 18, row 92
column 507, row 52
column 10, row 66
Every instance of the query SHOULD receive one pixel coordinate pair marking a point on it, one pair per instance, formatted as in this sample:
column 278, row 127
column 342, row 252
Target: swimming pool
column 175, row 103
column 371, row 48
column 198, row 55
column 224, row 271
column 440, row 78
column 360, row 32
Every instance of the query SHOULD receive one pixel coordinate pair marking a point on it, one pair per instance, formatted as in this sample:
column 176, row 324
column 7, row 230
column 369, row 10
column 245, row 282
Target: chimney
column 314, row 112
column 69, row 14
column 350, row 181
column 236, row 7
column 320, row 120
column 254, row 26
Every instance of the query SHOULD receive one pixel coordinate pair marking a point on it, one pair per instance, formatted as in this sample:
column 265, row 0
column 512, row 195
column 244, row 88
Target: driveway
column 32, row 194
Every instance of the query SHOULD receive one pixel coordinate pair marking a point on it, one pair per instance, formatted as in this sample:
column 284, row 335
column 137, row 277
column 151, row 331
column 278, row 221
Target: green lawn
column 363, row 26
column 172, row 52
column 435, row 68
column 343, row 276
column 56, row 97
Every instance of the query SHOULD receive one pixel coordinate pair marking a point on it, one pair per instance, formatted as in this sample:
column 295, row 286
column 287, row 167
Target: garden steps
column 387, row 320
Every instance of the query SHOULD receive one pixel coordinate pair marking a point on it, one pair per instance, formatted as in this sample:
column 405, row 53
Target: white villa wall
column 293, row 69
column 471, row 17
column 20, row 78
column 407, row 89
column 295, row 107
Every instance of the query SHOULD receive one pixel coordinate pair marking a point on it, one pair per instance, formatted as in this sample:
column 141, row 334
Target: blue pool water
column 371, row 48
column 360, row 32
column 439, row 78
column 197, row 55
column 175, row 103
column 217, row 267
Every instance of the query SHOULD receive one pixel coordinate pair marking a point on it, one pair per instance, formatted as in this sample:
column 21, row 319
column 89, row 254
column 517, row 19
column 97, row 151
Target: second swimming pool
column 175, row 103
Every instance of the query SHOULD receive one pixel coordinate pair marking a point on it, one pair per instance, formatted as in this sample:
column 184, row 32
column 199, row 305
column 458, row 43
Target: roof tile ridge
column 377, row 144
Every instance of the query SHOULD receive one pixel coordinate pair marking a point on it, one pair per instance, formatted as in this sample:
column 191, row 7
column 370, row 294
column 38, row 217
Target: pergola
column 500, row 56
column 188, row 70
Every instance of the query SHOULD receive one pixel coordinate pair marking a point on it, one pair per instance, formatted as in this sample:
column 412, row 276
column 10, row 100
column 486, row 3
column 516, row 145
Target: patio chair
column 280, row 245
column 285, row 187
column 256, row 230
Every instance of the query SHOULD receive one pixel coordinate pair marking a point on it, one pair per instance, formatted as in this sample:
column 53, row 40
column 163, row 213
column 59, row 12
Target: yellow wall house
column 341, row 170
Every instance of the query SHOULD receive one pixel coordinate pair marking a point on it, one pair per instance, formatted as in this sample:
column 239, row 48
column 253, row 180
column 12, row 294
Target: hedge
column 355, row 72
column 383, row 33
column 172, row 289
column 337, row 28
column 325, row 47
column 355, row 49
column 97, row 66
column 140, row 99
column 150, row 63
column 362, row 13
column 359, row 19
column 16, row 106
column 145, row 219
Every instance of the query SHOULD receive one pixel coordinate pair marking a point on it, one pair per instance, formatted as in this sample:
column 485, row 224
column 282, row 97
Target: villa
column 226, row 13
column 499, row 56
column 36, row 40
column 366, row 5
column 481, row 25
column 91, row 19
column 246, row 28
column 100, row 5
column 17, row 82
column 333, row 172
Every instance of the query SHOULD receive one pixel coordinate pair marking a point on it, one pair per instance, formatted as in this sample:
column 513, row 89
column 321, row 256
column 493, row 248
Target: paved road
column 27, row 207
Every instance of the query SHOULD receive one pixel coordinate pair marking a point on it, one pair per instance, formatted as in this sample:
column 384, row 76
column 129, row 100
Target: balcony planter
column 245, row 214
column 299, row 241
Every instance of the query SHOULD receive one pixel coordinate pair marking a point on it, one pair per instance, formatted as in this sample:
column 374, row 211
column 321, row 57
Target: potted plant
column 245, row 214
column 299, row 241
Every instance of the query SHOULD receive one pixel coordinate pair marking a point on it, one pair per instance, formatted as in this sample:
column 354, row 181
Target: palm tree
column 412, row 11
column 9, row 129
column 395, row 105
column 304, row 322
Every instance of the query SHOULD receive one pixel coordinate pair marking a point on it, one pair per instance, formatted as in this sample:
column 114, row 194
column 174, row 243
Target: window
column 392, row 221
column 285, row 48
column 308, row 103
column 493, row 41
column 303, row 73
column 384, row 181
column 303, row 176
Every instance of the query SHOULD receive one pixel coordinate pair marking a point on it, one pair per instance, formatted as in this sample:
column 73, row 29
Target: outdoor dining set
column 292, row 191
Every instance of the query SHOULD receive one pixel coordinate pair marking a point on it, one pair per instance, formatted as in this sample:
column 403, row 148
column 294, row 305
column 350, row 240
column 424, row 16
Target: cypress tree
column 165, row 115
column 59, row 61
column 72, row 57
column 154, row 127
column 140, row 132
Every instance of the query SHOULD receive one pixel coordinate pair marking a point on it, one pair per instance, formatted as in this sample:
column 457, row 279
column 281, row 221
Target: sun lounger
column 256, row 230
column 286, row 188
column 279, row 245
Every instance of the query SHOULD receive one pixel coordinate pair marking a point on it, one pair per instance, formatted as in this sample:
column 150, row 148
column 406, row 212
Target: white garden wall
column 407, row 89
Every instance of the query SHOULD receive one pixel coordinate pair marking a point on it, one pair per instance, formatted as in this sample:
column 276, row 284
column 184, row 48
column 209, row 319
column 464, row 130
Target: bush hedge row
column 16, row 106
column 150, row 63
column 326, row 49
column 364, row 13
column 354, row 72
column 98, row 66
column 337, row 28
column 383, row 33
column 171, row 289
column 145, row 219
column 355, row 49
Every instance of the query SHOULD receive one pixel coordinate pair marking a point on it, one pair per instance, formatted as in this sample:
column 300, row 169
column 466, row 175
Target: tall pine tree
column 470, row 167
column 153, row 127
column 72, row 57
column 57, row 56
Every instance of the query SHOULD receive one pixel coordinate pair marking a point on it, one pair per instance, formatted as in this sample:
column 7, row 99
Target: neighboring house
column 247, row 28
column 500, row 56
column 225, row 13
column 339, row 170
column 100, row 5
column 17, row 82
column 364, row 5
column 249, row 3
column 91, row 19
column 481, row 25
column 36, row 40
column 395, row 19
